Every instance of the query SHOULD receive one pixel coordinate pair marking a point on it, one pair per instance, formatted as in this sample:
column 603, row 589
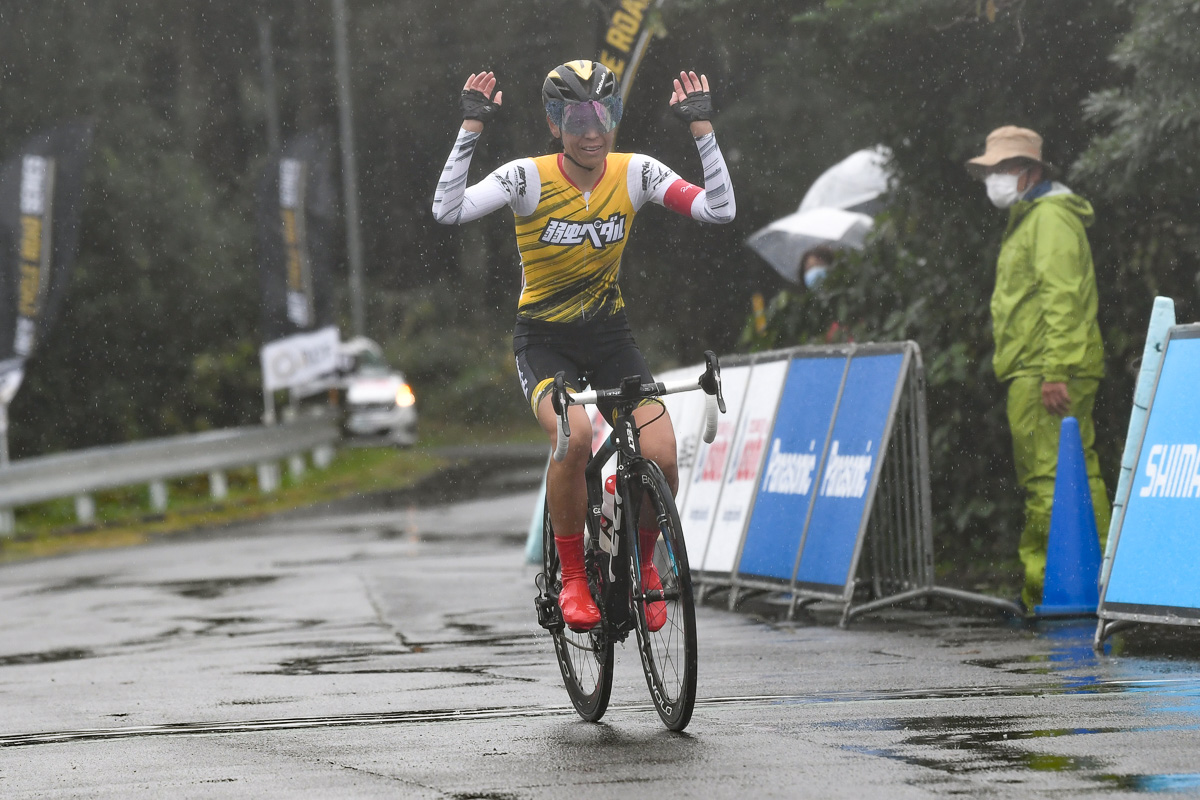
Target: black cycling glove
column 476, row 105
column 696, row 107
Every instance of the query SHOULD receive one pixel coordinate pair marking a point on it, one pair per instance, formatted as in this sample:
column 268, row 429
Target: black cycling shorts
column 597, row 354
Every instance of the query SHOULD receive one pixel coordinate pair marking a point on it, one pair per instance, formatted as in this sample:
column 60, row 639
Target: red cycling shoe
column 656, row 610
column 578, row 608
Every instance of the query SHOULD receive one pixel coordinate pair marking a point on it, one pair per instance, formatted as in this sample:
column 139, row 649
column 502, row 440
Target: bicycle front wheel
column 666, row 615
column 585, row 659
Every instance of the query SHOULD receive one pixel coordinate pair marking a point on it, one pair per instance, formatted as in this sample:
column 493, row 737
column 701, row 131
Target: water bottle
column 607, row 506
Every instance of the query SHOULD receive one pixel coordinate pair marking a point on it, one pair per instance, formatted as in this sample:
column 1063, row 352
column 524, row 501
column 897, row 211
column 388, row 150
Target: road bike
column 612, row 558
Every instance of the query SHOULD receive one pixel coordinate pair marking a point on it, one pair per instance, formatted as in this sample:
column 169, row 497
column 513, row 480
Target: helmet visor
column 579, row 119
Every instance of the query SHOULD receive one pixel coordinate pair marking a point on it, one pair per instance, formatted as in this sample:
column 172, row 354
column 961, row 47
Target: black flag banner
column 626, row 35
column 297, row 208
column 41, row 203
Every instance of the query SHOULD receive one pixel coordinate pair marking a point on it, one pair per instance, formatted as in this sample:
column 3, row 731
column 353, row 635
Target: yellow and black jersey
column 571, row 241
column 571, row 244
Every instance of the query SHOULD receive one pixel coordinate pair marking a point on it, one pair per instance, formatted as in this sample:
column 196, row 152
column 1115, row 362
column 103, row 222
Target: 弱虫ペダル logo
column 600, row 232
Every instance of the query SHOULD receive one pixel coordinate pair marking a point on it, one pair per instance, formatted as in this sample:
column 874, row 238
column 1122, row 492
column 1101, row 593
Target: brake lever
column 710, row 381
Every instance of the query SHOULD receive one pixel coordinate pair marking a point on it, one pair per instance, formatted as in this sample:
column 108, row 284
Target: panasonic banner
column 842, row 500
column 784, row 499
column 796, row 448
column 1153, row 572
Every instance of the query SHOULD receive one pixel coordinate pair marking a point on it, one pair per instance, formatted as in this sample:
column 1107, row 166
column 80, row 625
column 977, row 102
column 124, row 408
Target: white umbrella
column 783, row 241
column 852, row 183
column 836, row 211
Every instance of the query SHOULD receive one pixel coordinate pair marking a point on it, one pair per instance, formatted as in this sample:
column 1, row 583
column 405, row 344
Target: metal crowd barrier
column 81, row 473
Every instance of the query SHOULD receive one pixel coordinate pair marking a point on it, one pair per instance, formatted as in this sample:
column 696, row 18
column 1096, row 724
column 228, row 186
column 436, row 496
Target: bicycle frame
column 623, row 442
column 625, row 583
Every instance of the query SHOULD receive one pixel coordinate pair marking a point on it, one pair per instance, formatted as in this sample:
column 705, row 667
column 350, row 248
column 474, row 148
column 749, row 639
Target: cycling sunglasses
column 578, row 119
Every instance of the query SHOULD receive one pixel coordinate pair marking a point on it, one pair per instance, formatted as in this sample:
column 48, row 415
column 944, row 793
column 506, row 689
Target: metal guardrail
column 80, row 473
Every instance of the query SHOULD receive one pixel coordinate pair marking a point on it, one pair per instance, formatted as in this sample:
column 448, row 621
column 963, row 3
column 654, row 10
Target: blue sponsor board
column 1158, row 547
column 794, row 450
column 844, row 485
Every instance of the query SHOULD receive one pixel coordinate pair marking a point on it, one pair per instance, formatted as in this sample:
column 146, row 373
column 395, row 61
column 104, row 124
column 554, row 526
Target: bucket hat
column 1008, row 143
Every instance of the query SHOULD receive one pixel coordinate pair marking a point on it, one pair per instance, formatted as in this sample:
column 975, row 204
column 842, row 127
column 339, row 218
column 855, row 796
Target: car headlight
column 405, row 396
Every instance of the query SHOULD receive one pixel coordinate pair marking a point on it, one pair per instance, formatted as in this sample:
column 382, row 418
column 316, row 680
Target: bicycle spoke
column 584, row 660
column 669, row 653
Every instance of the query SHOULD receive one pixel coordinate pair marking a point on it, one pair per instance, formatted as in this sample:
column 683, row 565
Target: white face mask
column 1002, row 189
column 814, row 276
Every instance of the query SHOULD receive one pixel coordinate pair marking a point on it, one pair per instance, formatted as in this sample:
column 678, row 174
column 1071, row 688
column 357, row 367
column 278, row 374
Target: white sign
column 687, row 416
column 291, row 173
column 35, row 170
column 12, row 372
column 708, row 472
column 741, row 475
column 299, row 359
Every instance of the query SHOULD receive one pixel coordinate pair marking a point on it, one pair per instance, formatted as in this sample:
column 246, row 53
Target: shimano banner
column 1153, row 573
column 41, row 202
column 297, row 206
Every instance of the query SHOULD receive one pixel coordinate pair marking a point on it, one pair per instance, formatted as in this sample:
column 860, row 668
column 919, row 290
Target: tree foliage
column 937, row 76
column 159, row 331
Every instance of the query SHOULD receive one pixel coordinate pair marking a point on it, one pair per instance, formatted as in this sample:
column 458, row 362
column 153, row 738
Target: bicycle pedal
column 549, row 615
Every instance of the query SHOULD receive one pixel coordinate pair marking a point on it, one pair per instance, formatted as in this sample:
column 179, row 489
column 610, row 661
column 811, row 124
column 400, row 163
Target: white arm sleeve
column 455, row 202
column 718, row 204
column 651, row 181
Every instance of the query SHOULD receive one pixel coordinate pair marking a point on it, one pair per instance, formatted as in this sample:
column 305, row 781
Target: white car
column 379, row 401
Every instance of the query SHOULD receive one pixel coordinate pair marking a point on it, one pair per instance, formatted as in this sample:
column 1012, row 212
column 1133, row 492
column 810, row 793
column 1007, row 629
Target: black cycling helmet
column 579, row 82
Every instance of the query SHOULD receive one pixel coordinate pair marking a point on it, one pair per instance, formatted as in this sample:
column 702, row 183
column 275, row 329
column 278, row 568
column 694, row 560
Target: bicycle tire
column 584, row 659
column 668, row 655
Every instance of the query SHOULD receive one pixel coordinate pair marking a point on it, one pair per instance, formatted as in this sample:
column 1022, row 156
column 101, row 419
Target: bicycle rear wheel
column 585, row 659
column 669, row 653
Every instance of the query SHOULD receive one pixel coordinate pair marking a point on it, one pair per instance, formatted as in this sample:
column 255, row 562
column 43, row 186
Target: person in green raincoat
column 1048, row 347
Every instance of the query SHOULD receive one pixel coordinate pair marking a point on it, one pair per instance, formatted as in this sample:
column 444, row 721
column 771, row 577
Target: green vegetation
column 159, row 331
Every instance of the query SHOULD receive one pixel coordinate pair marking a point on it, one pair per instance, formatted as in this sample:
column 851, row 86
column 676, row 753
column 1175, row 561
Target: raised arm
column 691, row 101
column 454, row 202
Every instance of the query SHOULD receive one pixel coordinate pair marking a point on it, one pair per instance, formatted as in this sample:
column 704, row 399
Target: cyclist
column 573, row 211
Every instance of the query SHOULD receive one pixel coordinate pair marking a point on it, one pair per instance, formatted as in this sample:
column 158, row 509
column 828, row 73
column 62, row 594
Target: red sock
column 570, row 555
column 647, row 537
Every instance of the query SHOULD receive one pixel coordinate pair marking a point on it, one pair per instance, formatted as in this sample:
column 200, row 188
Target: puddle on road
column 1179, row 782
column 215, row 587
column 207, row 589
column 46, row 657
column 963, row 746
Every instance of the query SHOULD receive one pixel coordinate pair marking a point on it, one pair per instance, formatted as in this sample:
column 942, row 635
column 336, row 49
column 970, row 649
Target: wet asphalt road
column 389, row 649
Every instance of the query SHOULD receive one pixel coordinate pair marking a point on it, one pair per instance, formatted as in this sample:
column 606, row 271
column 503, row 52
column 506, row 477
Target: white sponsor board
column 299, row 359
column 712, row 460
column 741, row 474
column 687, row 417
